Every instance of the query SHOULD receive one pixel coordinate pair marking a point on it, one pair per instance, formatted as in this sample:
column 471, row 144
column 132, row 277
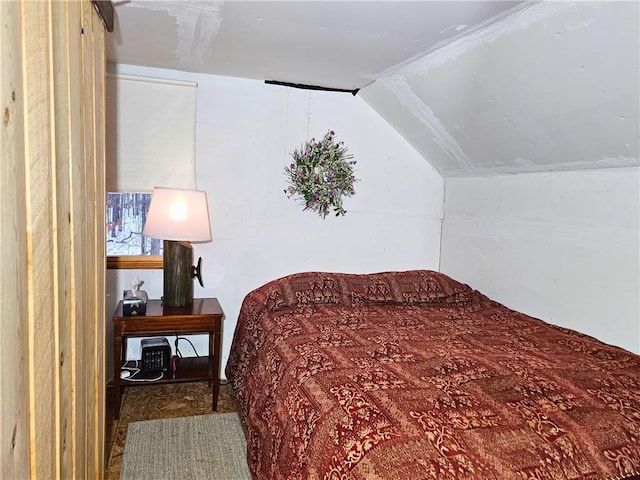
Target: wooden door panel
column 52, row 233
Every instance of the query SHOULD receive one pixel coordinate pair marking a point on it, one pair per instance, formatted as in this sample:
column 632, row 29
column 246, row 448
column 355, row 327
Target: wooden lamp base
column 178, row 280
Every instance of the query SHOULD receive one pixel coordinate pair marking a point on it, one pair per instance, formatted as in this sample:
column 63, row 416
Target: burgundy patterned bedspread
column 412, row 375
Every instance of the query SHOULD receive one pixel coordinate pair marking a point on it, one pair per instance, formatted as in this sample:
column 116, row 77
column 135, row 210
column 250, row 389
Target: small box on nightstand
column 134, row 304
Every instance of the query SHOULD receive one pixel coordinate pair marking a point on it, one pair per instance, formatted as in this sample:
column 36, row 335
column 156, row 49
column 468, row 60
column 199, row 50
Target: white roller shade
column 151, row 131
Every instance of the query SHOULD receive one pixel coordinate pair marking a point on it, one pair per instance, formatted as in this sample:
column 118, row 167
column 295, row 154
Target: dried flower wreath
column 321, row 175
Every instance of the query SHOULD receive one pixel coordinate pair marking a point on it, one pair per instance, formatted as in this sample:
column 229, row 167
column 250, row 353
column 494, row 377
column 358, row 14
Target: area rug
column 186, row 448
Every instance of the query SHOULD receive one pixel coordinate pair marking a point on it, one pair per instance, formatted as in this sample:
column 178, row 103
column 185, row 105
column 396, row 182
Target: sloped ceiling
column 477, row 87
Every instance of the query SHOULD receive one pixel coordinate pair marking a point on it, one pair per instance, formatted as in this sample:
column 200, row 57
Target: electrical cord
column 124, row 365
column 190, row 343
column 133, row 371
column 131, row 379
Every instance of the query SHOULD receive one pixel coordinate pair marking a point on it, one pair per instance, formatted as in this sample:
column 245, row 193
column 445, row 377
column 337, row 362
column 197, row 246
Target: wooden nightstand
column 203, row 316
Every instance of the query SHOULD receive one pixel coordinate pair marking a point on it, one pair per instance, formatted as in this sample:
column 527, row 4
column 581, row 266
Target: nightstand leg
column 215, row 377
column 117, row 364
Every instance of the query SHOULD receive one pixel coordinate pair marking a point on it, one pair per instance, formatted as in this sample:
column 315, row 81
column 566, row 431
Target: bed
column 413, row 375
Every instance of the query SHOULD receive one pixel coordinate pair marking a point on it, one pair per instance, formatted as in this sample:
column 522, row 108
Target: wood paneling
column 67, row 69
column 42, row 318
column 99, row 253
column 52, row 234
column 14, row 387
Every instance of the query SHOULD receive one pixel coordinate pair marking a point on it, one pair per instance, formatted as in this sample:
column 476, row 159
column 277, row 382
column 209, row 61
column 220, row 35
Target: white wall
column 245, row 133
column 560, row 246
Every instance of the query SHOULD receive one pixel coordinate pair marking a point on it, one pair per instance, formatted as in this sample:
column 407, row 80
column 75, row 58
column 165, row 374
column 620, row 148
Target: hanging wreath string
column 321, row 175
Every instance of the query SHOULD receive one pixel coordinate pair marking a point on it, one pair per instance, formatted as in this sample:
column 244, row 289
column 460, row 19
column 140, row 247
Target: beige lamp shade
column 177, row 214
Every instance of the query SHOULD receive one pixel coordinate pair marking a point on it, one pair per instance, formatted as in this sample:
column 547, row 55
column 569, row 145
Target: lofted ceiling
column 477, row 87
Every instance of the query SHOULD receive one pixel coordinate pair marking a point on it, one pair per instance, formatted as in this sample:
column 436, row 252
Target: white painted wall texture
column 563, row 247
column 245, row 133
column 548, row 86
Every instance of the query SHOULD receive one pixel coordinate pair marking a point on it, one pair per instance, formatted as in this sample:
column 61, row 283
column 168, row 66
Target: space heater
column 156, row 355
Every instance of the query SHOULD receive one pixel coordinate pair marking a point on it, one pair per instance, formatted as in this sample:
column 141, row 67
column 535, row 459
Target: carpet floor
column 151, row 402
column 209, row 447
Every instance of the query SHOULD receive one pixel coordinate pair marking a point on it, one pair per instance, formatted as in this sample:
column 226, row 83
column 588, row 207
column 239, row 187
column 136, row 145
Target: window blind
column 150, row 133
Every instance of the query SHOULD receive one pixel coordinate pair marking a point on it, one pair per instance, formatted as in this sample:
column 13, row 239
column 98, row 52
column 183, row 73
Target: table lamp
column 178, row 217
